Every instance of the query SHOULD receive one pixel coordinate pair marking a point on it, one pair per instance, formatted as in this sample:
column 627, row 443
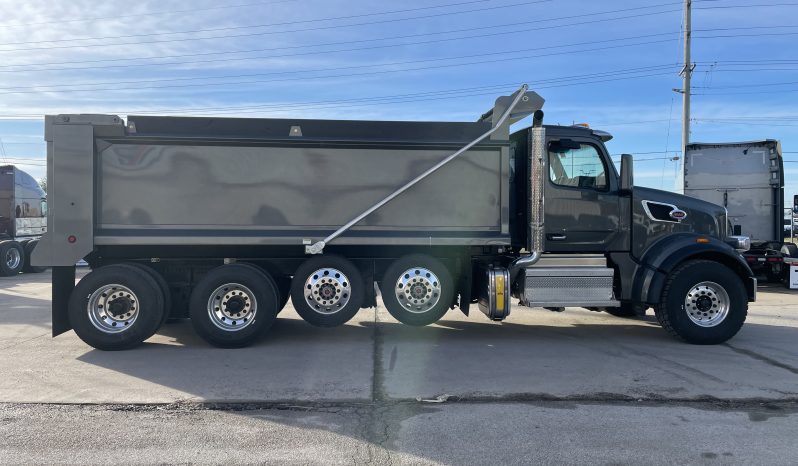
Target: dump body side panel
column 234, row 182
column 280, row 195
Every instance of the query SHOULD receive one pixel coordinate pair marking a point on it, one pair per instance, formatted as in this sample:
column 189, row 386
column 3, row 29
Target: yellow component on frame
column 500, row 292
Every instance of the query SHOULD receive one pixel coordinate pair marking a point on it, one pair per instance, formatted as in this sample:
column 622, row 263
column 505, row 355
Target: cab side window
column 577, row 165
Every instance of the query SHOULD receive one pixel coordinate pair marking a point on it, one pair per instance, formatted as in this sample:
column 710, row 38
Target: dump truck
column 223, row 220
column 23, row 219
column 747, row 178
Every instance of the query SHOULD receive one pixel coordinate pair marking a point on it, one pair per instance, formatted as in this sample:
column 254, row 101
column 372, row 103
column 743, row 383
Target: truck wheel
column 12, row 258
column 417, row 289
column 327, row 291
column 162, row 285
column 27, row 268
column 232, row 305
column 703, row 303
column 116, row 307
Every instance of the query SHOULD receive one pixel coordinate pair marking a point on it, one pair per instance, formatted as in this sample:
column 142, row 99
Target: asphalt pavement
column 576, row 387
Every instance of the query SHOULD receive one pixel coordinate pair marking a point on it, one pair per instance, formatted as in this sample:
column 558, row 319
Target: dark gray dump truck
column 223, row 220
column 23, row 219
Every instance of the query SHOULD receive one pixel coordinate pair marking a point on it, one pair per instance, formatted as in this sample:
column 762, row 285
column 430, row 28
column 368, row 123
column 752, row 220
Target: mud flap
column 63, row 284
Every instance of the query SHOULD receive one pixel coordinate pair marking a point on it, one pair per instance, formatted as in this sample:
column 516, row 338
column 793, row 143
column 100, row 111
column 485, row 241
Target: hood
column 658, row 214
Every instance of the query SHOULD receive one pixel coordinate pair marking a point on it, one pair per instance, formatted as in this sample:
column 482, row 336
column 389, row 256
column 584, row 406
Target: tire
column 717, row 313
column 790, row 250
column 626, row 310
column 12, row 258
column 139, row 295
column 249, row 301
column 283, row 284
column 28, row 268
column 327, row 291
column 435, row 291
column 162, row 285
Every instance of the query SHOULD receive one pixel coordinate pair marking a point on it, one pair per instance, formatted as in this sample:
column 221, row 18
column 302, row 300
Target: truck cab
column 635, row 237
column 23, row 219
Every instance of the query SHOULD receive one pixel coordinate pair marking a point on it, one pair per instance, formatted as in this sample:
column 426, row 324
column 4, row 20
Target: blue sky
column 610, row 64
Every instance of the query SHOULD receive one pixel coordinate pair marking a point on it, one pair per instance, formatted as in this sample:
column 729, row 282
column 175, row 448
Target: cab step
column 585, row 284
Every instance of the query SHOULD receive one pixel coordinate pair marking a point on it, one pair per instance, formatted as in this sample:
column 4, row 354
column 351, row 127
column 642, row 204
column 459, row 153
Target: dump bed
column 219, row 181
column 746, row 178
column 183, row 181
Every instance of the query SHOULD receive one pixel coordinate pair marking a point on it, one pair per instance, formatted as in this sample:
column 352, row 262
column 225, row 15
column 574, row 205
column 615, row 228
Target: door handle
column 556, row 237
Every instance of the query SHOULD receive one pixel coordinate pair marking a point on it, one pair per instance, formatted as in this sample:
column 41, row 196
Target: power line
column 724, row 7
column 338, row 18
column 761, row 34
column 781, row 91
column 650, row 152
column 285, row 23
column 46, row 87
column 317, row 28
column 370, row 40
column 422, row 68
column 568, row 80
column 154, row 13
column 736, row 86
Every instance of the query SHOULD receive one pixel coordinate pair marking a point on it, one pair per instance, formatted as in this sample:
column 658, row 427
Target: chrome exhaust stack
column 537, row 155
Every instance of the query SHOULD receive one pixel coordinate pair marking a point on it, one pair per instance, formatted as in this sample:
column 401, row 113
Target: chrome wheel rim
column 113, row 308
column 418, row 290
column 232, row 307
column 707, row 304
column 327, row 290
column 13, row 258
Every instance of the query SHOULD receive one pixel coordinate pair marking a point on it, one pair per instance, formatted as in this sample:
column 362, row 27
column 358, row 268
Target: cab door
column 582, row 205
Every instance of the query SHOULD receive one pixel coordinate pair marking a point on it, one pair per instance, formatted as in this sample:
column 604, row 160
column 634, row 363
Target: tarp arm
column 520, row 101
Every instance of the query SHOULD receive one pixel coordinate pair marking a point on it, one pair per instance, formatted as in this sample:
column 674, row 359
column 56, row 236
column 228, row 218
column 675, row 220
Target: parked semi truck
column 23, row 219
column 224, row 219
column 747, row 178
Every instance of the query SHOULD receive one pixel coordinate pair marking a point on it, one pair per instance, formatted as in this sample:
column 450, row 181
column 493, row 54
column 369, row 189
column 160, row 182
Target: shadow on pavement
column 316, row 372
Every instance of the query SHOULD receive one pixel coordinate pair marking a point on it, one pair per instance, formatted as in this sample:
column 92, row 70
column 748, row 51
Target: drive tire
column 249, row 300
column 327, row 274
column 12, row 258
column 28, row 268
column 148, row 307
column 672, row 312
column 162, row 285
column 411, row 267
column 282, row 283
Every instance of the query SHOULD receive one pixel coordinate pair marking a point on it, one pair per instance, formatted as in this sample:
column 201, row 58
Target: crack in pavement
column 762, row 358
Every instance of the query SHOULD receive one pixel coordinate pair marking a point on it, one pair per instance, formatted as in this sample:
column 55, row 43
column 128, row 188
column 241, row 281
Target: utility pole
column 687, row 71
